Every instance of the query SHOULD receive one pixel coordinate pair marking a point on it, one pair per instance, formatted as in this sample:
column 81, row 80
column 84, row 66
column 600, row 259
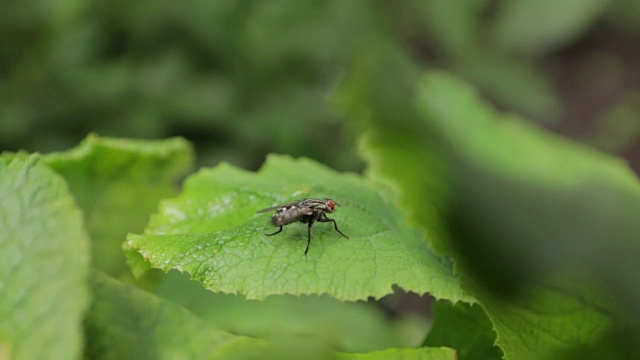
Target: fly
column 307, row 211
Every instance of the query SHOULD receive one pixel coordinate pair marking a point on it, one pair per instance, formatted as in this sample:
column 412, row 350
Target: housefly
column 307, row 211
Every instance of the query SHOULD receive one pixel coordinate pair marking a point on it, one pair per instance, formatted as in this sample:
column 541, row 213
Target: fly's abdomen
column 287, row 215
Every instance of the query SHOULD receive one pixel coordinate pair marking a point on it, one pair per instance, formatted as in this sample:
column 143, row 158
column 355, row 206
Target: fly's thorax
column 287, row 215
column 325, row 205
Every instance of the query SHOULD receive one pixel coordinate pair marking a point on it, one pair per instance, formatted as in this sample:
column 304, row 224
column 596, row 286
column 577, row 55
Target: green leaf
column 517, row 208
column 551, row 318
column 212, row 232
column 617, row 129
column 400, row 148
column 118, row 183
column 44, row 259
column 515, row 84
column 537, row 27
column 405, row 354
column 465, row 328
column 127, row 323
column 350, row 327
column 571, row 200
column 453, row 25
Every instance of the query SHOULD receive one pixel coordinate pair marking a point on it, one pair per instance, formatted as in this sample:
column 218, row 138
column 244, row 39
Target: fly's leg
column 277, row 232
column 308, row 237
column 335, row 225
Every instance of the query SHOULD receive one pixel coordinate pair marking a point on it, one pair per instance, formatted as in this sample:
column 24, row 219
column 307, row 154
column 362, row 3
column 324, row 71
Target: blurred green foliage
column 237, row 77
column 244, row 78
column 241, row 79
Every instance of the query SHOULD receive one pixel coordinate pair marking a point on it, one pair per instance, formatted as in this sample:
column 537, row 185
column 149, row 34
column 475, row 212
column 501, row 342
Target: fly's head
column 331, row 205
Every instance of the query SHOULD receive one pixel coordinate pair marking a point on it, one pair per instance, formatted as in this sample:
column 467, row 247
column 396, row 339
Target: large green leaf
column 118, row 183
column 512, row 204
column 529, row 204
column 44, row 258
column 212, row 232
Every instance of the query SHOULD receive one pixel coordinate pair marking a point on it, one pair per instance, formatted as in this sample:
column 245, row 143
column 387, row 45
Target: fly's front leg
column 335, row 225
column 277, row 232
column 308, row 236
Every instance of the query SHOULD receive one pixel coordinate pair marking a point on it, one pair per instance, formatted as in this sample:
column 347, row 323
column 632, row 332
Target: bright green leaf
column 44, row 258
column 118, row 183
column 212, row 232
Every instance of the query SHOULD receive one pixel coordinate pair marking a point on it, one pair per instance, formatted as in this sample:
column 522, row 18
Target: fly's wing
column 269, row 209
column 306, row 210
column 275, row 207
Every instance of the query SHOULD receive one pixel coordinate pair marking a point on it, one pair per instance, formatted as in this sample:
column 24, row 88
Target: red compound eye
column 332, row 204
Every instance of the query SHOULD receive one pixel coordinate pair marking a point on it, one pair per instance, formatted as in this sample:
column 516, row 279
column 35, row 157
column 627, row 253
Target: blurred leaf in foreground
column 513, row 205
column 212, row 232
column 529, row 204
column 465, row 328
column 127, row 323
column 345, row 326
column 44, row 259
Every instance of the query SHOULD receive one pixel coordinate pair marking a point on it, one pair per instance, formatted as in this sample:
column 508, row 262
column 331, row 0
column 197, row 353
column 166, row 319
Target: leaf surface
column 118, row 183
column 212, row 232
column 44, row 259
column 127, row 323
column 465, row 328
column 442, row 353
